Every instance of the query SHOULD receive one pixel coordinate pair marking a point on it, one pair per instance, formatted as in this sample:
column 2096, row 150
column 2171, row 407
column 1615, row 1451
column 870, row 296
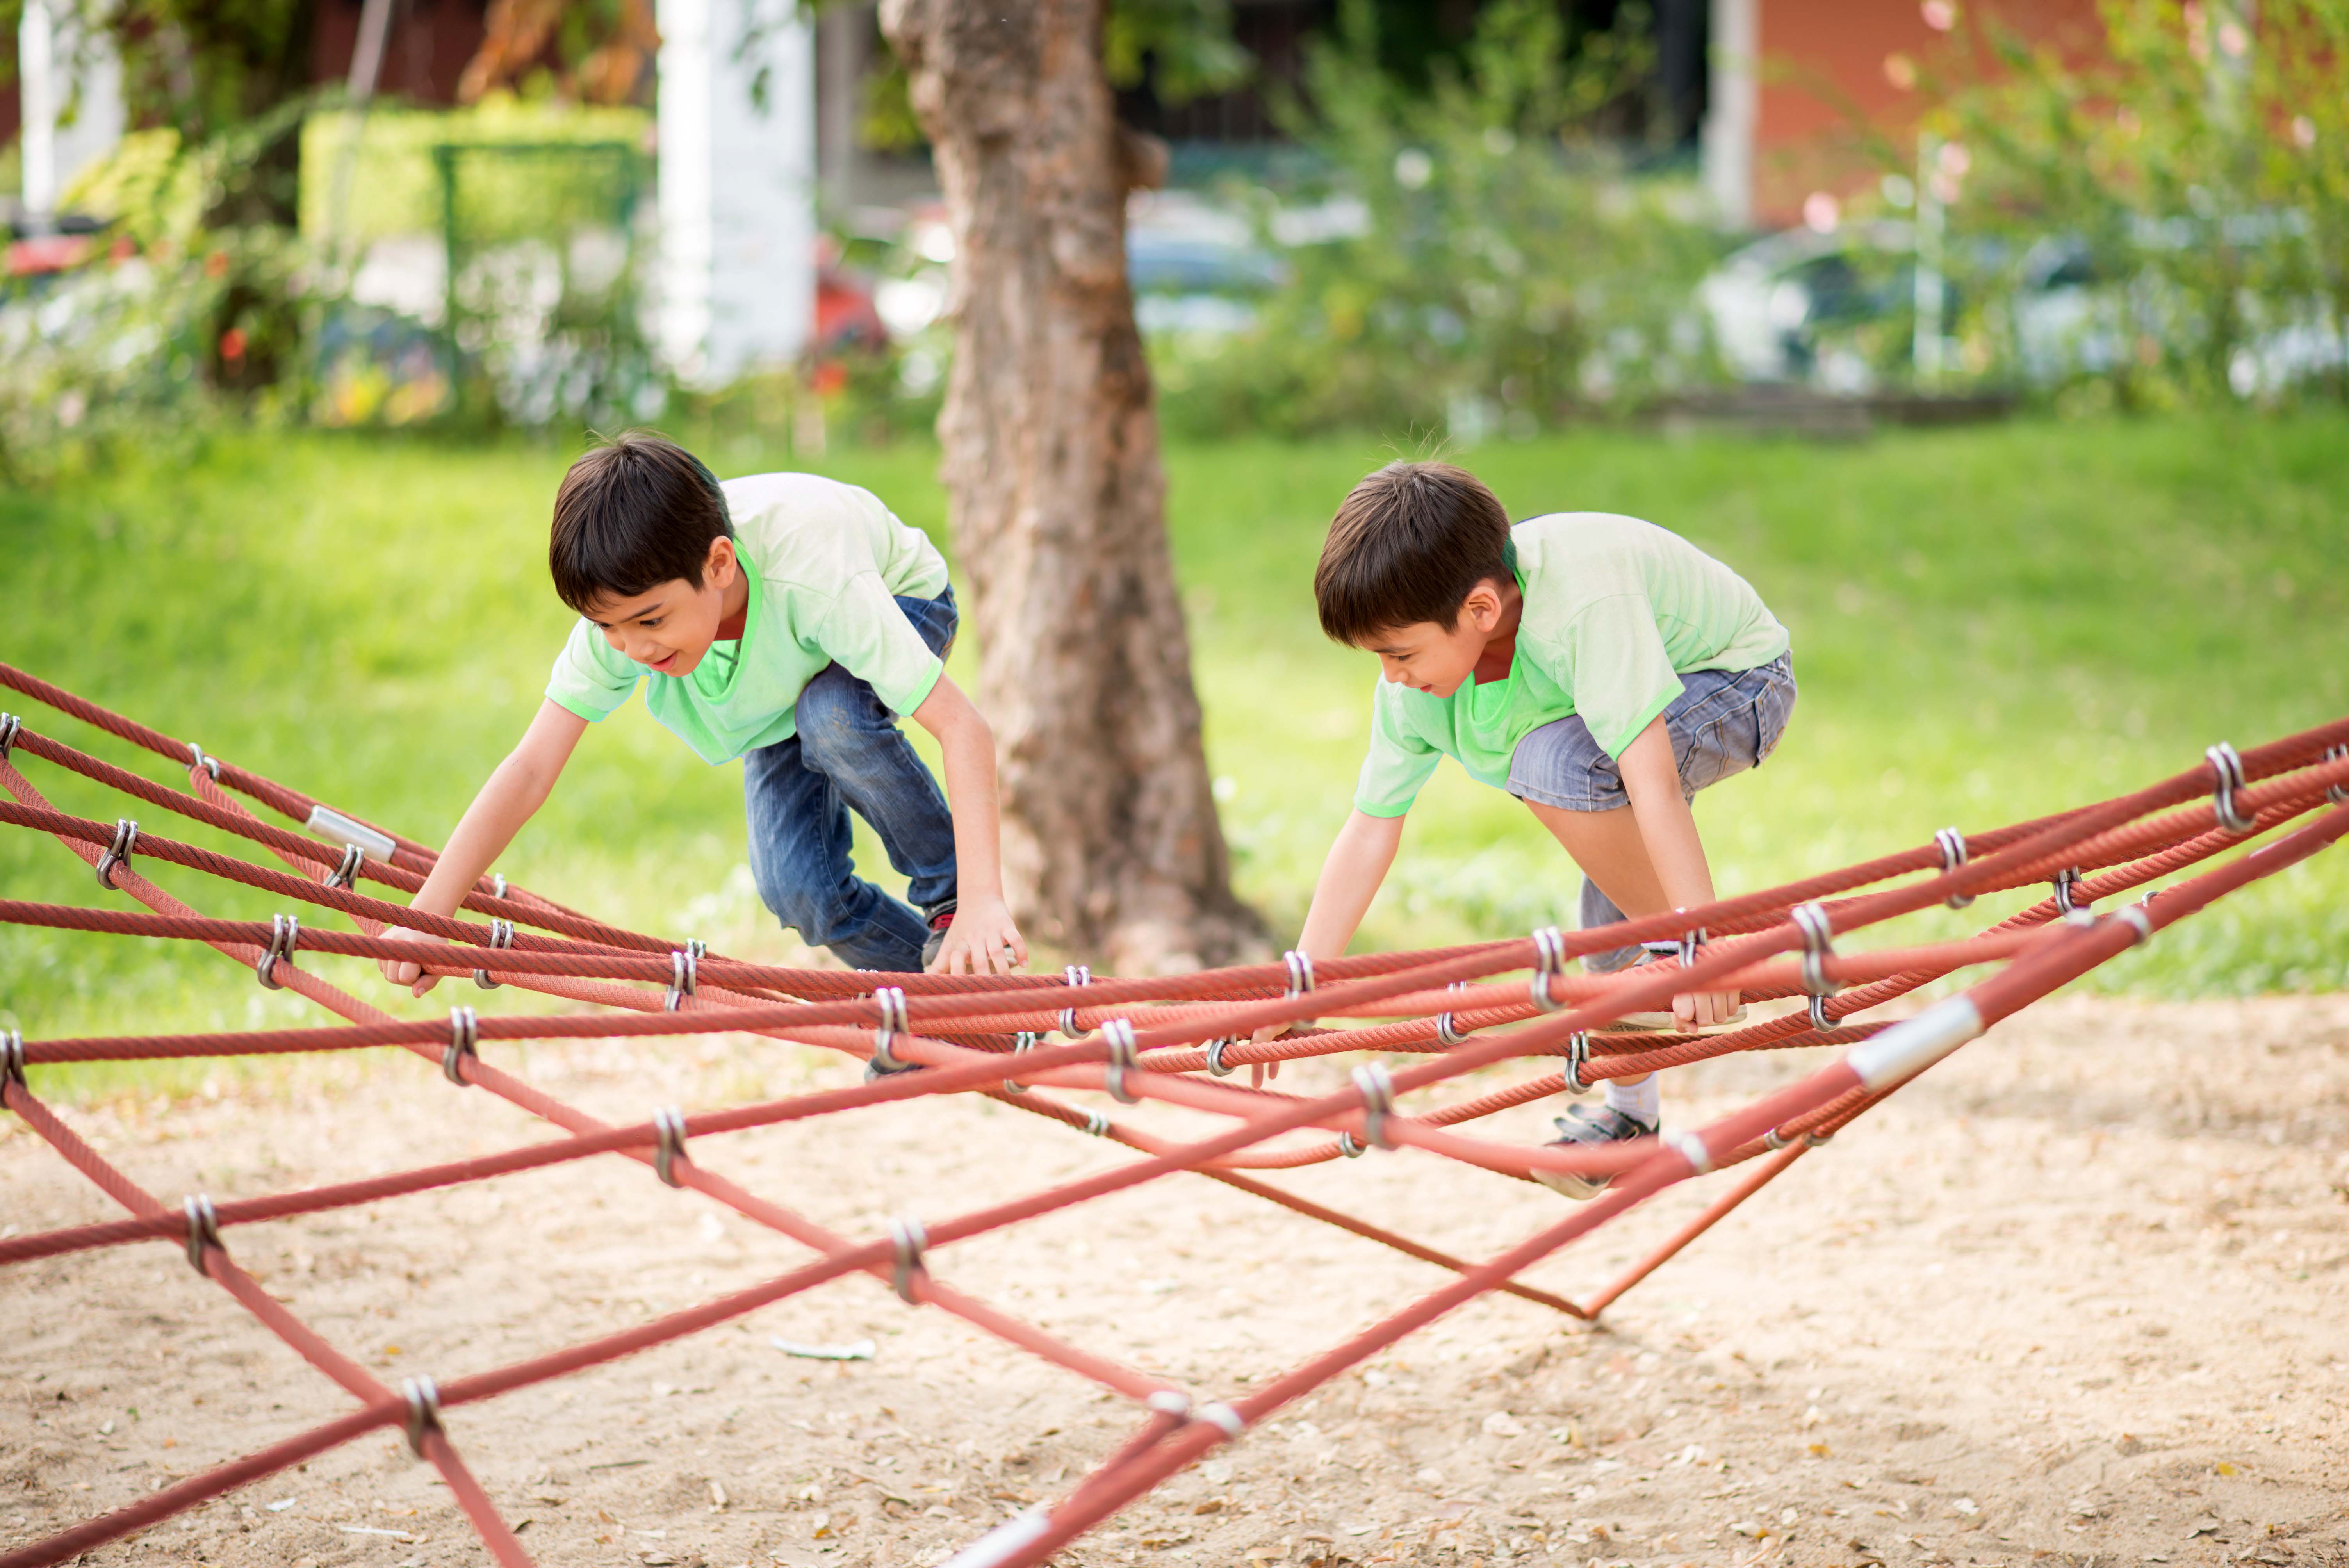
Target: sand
column 2081, row 1295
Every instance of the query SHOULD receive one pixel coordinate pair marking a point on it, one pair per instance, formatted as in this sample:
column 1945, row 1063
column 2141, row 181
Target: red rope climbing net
column 1172, row 1040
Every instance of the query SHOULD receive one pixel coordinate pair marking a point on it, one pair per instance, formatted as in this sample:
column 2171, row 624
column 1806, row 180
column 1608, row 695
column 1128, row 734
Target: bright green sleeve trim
column 1383, row 808
column 1616, row 745
column 570, row 703
column 919, row 692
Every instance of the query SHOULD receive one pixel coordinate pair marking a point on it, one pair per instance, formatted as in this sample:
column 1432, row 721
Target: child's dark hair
column 634, row 512
column 1409, row 543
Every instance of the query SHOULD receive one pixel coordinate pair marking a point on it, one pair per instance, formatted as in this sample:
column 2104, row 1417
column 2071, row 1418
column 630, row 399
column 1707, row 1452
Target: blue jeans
column 850, row 754
column 1722, row 723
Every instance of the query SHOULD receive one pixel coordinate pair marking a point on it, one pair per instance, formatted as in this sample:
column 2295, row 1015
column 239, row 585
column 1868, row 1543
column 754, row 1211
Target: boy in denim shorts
column 1601, row 669
column 787, row 620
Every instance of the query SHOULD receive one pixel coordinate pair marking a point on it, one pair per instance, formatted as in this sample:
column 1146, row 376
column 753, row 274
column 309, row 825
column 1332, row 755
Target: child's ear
column 718, row 568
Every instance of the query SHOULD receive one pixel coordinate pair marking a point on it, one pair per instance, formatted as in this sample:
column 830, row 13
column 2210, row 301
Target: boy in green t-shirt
column 787, row 620
column 1598, row 667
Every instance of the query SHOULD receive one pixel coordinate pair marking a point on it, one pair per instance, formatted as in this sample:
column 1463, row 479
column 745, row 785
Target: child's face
column 1437, row 659
column 669, row 628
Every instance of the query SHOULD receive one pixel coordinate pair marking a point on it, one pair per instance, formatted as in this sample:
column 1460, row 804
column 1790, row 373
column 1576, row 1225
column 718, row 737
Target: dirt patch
column 2079, row 1294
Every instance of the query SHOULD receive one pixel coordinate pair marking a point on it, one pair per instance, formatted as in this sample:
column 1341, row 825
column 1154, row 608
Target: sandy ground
column 2079, row 1294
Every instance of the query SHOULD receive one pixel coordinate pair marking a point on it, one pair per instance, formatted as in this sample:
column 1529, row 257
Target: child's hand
column 1704, row 1008
column 402, row 972
column 983, row 940
column 1259, row 1072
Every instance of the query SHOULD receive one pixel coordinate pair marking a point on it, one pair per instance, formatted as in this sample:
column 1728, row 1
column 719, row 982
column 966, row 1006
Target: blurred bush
column 1478, row 258
column 2151, row 216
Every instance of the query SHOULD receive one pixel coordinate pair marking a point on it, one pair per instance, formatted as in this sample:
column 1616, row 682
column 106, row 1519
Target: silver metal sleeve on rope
column 1952, row 845
column 906, row 1240
column 1911, row 1046
column 1005, row 1541
column 1119, row 1033
column 1689, row 1145
column 422, row 1397
column 331, row 825
column 668, row 1146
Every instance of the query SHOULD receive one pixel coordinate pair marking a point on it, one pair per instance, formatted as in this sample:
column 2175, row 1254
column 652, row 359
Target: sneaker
column 1666, row 1021
column 1579, row 1128
column 941, row 916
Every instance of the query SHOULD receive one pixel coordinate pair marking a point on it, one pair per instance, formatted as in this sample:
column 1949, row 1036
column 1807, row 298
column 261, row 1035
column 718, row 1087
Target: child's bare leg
column 1607, row 847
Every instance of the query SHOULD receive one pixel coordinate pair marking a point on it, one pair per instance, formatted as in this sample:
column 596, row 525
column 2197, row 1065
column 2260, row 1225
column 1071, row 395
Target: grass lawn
column 1988, row 623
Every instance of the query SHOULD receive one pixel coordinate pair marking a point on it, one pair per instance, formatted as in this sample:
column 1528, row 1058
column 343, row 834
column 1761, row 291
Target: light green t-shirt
column 1616, row 611
column 826, row 563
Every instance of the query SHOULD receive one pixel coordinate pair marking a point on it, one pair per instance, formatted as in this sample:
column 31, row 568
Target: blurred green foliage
column 2189, row 163
column 1988, row 623
column 1491, row 262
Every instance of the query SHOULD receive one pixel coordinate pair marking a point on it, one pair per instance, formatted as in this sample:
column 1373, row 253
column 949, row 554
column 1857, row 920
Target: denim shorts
column 1722, row 723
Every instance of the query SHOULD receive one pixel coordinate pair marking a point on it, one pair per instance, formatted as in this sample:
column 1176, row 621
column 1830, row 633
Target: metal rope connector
column 685, row 965
column 196, row 758
column 1123, row 1059
column 1578, row 1056
column 1215, row 1063
column 1023, row 1042
column 284, row 930
column 1223, row 1418
column 2227, row 782
column 2336, row 793
column 1813, row 1139
column 1818, row 946
column 1952, row 845
column 348, row 871
column 1074, row 974
column 464, row 1035
column 1690, row 942
column 497, row 884
column 500, row 936
column 1773, row 1140
column 1299, row 964
column 1447, row 1028
column 117, row 853
column 1549, row 950
column 2065, row 881
column 1372, row 1082
column 891, row 1000
column 1819, row 1019
column 669, row 1144
column 422, row 1397
column 9, row 725
column 1351, row 1147
column 907, row 1240
column 1096, row 1124
column 11, row 1056
column 203, row 1228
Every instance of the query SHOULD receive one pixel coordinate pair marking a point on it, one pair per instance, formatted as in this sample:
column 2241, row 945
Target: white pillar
column 59, row 71
column 737, row 186
column 1733, row 111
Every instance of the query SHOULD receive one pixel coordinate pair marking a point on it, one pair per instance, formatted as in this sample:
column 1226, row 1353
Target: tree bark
column 1056, row 498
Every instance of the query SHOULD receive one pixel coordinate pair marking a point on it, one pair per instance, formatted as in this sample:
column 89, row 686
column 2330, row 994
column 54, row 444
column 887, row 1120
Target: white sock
column 1643, row 1101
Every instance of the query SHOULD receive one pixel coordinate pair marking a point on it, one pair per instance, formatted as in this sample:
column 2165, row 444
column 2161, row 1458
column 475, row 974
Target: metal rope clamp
column 2065, row 881
column 347, row 872
column 1215, row 1063
column 284, row 930
column 1075, row 974
column 1690, row 942
column 497, row 884
column 1578, row 1056
column 500, row 936
column 1123, row 1059
column 1023, row 1042
column 1300, row 965
column 2228, row 781
column 891, row 1000
column 684, row 974
column 422, row 1397
column 203, row 1228
column 1447, row 1028
column 464, row 1035
column 1096, row 1124
column 1372, row 1082
column 2337, row 793
column 11, row 1056
column 907, row 1240
column 1818, row 946
column 1952, row 845
column 196, row 758
column 1549, row 958
column 9, row 725
column 126, row 838
column 1773, row 1140
column 669, row 1144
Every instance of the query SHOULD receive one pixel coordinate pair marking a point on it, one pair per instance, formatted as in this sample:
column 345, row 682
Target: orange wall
column 1824, row 60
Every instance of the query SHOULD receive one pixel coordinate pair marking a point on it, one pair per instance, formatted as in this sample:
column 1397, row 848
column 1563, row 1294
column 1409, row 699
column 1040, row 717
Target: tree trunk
column 1058, row 501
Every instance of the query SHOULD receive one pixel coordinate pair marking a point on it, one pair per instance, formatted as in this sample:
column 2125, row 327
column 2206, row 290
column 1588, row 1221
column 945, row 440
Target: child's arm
column 511, row 798
column 983, row 939
column 1668, row 828
column 1350, row 874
